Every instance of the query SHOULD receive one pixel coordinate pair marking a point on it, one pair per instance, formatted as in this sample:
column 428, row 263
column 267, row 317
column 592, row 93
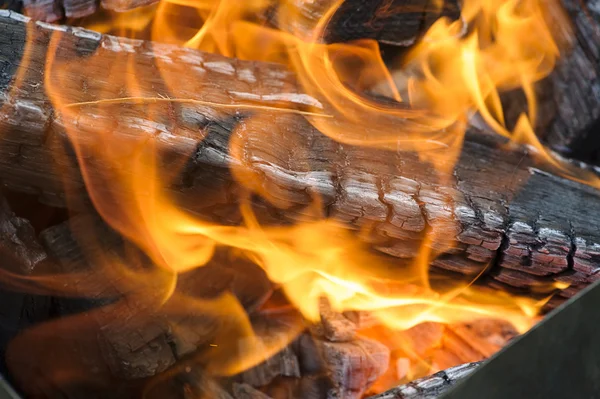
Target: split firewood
column 430, row 387
column 492, row 203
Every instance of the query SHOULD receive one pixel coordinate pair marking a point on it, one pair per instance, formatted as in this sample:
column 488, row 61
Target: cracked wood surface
column 504, row 211
column 397, row 22
column 570, row 97
column 432, row 386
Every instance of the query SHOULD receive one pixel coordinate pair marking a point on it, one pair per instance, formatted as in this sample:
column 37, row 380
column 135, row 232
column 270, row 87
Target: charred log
column 21, row 253
column 432, row 386
column 397, row 22
column 508, row 213
column 429, row 387
column 570, row 97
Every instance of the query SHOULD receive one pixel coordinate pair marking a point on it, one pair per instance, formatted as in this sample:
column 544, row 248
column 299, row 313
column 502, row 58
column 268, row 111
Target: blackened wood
column 430, row 387
column 44, row 10
column 570, row 98
column 506, row 211
column 137, row 339
column 283, row 363
column 337, row 369
column 397, row 22
column 333, row 326
column 55, row 10
column 245, row 391
column 79, row 8
column 20, row 252
column 353, row 366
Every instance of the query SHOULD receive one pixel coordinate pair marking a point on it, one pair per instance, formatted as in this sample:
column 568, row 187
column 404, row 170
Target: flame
column 458, row 68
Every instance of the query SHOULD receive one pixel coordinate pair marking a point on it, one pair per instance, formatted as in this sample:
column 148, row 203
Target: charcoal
column 353, row 366
column 333, row 326
column 283, row 363
column 430, row 387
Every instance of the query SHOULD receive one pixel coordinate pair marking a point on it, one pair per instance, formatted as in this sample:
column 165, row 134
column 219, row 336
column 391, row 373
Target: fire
column 457, row 69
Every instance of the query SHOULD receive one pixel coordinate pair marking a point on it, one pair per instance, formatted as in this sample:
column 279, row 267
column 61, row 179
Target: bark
column 397, row 22
column 55, row 10
column 430, row 387
column 504, row 209
column 20, row 253
column 570, row 97
column 103, row 323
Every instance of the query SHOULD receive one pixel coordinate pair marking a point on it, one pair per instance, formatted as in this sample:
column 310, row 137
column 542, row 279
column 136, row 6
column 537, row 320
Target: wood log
column 334, row 326
column 509, row 214
column 432, row 386
column 397, row 22
column 139, row 341
column 570, row 97
column 429, row 387
column 333, row 369
column 20, row 252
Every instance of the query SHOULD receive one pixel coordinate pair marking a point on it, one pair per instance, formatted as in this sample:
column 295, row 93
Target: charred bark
column 397, row 22
column 429, row 387
column 506, row 212
column 432, row 386
column 21, row 253
column 570, row 97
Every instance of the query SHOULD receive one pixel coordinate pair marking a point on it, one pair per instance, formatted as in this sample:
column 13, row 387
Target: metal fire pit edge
column 7, row 391
column 558, row 358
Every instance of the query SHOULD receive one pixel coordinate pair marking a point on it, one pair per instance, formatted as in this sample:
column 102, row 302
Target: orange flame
column 458, row 68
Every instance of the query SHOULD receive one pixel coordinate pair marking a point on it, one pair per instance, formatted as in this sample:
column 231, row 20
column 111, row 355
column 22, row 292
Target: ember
column 265, row 202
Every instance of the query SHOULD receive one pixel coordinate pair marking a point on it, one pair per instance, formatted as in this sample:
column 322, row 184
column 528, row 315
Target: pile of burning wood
column 310, row 200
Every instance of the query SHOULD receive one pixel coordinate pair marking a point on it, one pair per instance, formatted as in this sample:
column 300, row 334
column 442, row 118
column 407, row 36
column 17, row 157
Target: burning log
column 315, row 367
column 432, row 386
column 429, row 387
column 491, row 206
column 395, row 22
column 21, row 253
column 221, row 131
column 568, row 100
column 55, row 10
column 570, row 97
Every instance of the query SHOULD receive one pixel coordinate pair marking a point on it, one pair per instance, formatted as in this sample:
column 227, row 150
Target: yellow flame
column 458, row 68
